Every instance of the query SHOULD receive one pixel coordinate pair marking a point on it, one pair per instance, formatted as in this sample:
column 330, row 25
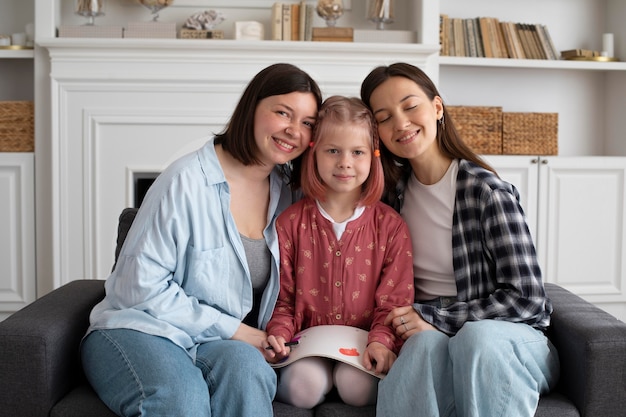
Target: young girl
column 345, row 258
column 475, row 335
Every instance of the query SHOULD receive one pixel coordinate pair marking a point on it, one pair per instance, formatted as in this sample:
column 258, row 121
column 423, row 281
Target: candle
column 607, row 45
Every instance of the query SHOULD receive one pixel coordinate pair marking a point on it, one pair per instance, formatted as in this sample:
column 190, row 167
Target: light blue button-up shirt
column 182, row 272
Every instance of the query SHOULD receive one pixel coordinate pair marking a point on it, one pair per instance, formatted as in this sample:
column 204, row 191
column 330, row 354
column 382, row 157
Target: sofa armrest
column 592, row 350
column 40, row 360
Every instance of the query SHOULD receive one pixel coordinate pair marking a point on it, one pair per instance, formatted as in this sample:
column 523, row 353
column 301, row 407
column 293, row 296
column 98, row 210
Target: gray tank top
column 259, row 258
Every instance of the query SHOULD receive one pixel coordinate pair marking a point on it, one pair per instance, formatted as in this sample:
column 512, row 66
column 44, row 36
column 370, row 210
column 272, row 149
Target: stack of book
column 487, row 37
column 292, row 21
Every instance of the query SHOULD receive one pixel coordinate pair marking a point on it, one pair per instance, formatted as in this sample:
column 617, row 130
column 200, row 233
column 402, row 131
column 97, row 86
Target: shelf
column 531, row 63
column 17, row 53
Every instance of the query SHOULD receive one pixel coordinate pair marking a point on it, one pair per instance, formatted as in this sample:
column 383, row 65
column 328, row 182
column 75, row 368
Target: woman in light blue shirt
column 180, row 330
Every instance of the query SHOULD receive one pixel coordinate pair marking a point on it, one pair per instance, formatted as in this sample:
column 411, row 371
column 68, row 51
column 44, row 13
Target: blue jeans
column 136, row 374
column 488, row 369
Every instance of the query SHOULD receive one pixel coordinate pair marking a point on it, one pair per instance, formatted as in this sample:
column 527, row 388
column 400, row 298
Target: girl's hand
column 406, row 322
column 275, row 349
column 378, row 357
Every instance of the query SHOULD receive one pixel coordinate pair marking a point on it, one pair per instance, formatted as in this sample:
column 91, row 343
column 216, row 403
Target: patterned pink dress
column 354, row 281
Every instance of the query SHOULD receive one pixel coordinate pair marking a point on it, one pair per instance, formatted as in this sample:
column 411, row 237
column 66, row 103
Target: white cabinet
column 17, row 236
column 576, row 209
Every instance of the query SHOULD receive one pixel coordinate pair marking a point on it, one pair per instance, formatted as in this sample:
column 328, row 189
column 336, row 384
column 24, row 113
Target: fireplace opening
column 141, row 183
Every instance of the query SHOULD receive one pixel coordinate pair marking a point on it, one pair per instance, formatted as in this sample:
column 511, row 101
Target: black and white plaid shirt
column 494, row 259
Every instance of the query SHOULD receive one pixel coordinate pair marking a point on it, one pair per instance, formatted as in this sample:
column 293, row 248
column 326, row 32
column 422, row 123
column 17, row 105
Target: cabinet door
column 582, row 227
column 17, row 232
column 522, row 172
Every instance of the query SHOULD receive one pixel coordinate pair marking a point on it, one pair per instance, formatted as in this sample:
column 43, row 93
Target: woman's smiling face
column 407, row 118
column 283, row 126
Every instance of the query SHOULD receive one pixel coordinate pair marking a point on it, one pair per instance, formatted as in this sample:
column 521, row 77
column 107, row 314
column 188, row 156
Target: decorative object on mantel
column 17, row 126
column 153, row 28
column 330, row 11
column 381, row 12
column 155, row 6
column 89, row 9
column 249, row 31
column 201, row 25
column 333, row 34
column 90, row 31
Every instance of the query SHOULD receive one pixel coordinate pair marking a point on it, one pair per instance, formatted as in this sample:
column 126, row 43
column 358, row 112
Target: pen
column 292, row 343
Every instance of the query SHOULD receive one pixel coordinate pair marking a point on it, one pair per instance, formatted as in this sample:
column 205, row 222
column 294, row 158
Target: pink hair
column 336, row 110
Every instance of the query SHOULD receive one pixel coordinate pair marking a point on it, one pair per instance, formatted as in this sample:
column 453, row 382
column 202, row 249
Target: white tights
column 306, row 382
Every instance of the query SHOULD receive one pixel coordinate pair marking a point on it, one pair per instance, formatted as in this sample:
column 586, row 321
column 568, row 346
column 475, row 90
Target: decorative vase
column 381, row 12
column 89, row 9
column 155, row 6
column 330, row 11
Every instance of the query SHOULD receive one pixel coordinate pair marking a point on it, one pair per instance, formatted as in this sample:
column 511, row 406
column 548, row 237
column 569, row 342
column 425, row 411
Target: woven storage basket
column 17, row 126
column 479, row 127
column 530, row 133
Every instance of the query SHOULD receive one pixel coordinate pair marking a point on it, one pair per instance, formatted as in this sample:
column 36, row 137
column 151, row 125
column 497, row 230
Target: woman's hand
column 378, row 358
column 406, row 322
column 250, row 335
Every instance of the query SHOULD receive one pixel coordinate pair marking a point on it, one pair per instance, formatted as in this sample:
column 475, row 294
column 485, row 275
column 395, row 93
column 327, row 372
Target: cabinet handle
column 544, row 161
column 534, row 160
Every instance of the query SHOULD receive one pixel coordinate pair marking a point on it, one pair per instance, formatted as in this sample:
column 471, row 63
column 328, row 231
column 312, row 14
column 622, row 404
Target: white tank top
column 428, row 211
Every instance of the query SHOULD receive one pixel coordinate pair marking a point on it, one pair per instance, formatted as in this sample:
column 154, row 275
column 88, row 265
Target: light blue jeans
column 136, row 374
column 488, row 369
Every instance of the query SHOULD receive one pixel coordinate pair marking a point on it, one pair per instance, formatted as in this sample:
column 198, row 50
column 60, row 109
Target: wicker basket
column 530, row 133
column 480, row 127
column 17, row 126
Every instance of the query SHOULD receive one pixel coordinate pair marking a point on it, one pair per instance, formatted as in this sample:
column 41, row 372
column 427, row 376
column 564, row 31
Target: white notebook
column 343, row 343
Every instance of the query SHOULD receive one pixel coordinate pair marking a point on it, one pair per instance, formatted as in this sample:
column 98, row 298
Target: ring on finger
column 402, row 320
column 406, row 329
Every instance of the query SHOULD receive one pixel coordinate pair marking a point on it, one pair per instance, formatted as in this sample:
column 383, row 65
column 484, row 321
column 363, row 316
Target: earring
column 442, row 122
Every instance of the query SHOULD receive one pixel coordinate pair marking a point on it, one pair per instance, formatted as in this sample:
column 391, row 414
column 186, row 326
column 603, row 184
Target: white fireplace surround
column 126, row 107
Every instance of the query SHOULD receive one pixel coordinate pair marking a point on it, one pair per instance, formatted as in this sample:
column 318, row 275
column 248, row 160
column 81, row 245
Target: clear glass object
column 89, row 9
column 330, row 11
column 155, row 6
column 381, row 12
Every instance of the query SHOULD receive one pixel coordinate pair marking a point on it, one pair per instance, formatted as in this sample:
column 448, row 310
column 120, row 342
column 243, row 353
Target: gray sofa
column 41, row 374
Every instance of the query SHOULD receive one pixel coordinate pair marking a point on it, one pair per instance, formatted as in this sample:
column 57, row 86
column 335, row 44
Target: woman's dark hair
column 448, row 138
column 237, row 138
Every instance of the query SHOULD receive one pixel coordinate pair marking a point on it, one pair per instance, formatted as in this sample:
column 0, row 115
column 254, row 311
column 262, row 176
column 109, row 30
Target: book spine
column 548, row 45
column 302, row 19
column 485, row 35
column 277, row 21
column 295, row 22
column 286, row 22
column 308, row 30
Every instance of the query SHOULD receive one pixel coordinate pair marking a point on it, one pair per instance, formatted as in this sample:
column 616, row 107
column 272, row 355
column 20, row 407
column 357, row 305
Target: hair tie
column 311, row 144
column 377, row 153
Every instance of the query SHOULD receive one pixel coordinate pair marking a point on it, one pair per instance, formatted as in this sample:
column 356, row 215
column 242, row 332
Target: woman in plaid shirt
column 475, row 343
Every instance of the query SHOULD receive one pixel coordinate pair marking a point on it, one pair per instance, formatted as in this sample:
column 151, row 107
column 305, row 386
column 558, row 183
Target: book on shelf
column 292, row 21
column 490, row 38
column 579, row 53
column 277, row 22
column 286, row 22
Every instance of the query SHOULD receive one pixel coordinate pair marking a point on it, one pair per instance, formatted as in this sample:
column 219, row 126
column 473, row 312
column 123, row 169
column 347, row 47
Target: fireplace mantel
column 122, row 107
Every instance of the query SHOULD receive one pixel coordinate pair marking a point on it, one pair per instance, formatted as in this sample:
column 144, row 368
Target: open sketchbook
column 343, row 343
